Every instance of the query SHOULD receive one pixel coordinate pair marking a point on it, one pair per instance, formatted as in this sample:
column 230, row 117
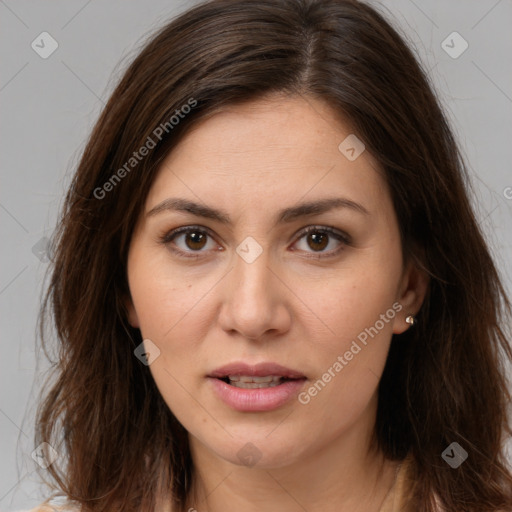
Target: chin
column 258, row 451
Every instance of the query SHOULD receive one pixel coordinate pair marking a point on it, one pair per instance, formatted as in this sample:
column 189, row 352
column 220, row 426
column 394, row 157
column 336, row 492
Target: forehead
column 269, row 127
column 275, row 150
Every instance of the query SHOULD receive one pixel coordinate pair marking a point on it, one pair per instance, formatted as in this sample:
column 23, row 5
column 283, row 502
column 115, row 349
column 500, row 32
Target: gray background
column 48, row 107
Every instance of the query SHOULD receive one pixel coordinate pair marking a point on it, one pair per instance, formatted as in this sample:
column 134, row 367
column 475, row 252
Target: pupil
column 199, row 237
column 315, row 237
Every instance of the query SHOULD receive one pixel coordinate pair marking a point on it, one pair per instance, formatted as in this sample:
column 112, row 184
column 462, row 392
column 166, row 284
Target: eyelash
column 167, row 238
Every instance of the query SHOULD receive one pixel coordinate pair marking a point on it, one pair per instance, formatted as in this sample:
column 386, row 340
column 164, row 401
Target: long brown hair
column 444, row 380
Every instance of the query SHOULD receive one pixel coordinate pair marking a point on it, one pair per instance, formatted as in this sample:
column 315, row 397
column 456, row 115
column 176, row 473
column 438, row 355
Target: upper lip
column 256, row 370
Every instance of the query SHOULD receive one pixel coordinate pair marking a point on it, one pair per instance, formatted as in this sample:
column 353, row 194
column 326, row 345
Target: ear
column 412, row 291
column 133, row 319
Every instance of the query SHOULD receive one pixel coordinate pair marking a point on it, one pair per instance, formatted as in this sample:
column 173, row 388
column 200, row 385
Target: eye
column 189, row 241
column 319, row 238
column 193, row 240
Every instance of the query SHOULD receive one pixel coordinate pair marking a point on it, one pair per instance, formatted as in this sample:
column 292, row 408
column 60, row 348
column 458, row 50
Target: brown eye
column 318, row 240
column 192, row 242
column 195, row 240
column 189, row 241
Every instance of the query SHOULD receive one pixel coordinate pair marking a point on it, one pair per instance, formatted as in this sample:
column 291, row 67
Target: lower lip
column 256, row 400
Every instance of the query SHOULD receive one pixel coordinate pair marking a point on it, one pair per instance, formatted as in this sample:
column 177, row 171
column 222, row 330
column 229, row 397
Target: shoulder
column 52, row 508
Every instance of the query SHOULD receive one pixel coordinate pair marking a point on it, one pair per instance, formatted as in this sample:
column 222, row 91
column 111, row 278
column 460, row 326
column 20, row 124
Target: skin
column 253, row 160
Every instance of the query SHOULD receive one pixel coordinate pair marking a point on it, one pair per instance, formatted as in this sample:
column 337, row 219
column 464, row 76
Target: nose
column 255, row 301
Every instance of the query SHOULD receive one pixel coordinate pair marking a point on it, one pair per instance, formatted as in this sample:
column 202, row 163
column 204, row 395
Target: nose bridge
column 250, row 306
column 251, row 272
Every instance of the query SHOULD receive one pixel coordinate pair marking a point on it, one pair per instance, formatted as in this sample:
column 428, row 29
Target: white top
column 50, row 508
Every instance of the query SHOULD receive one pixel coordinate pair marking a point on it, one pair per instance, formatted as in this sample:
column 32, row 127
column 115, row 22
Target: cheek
column 172, row 315
column 162, row 297
column 350, row 345
column 174, row 311
column 348, row 303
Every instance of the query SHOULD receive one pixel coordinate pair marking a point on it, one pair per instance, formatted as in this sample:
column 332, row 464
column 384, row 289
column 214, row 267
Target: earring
column 411, row 320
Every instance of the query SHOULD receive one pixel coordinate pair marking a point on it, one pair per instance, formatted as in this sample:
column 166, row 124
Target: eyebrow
column 286, row 215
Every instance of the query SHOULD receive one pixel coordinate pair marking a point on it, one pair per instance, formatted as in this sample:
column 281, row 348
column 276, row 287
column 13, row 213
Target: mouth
column 256, row 388
column 251, row 382
column 262, row 375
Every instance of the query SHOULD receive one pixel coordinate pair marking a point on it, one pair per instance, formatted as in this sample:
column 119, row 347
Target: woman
column 269, row 287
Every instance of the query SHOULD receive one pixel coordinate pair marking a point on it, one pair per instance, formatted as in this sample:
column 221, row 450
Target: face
column 267, row 270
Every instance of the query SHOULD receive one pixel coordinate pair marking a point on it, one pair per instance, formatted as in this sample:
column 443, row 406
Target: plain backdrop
column 49, row 105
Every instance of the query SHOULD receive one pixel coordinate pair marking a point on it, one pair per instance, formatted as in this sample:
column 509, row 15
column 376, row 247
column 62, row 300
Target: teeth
column 254, row 385
column 267, row 378
column 252, row 382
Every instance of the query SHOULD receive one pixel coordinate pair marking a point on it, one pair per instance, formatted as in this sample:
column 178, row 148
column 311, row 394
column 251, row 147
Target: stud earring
column 411, row 320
